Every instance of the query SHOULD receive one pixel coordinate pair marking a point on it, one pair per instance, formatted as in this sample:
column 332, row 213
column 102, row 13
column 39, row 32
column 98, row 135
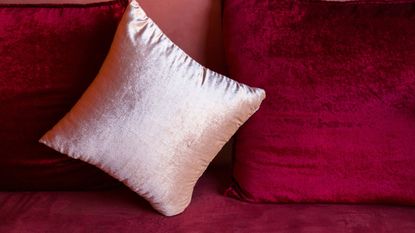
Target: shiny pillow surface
column 339, row 121
column 49, row 54
column 153, row 118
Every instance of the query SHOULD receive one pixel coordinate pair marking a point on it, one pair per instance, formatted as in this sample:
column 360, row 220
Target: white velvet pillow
column 153, row 118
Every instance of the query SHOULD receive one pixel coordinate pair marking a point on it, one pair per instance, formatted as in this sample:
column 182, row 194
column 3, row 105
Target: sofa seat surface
column 120, row 210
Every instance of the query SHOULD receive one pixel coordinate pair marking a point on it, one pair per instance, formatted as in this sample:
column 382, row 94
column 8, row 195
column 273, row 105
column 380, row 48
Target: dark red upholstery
column 123, row 211
column 338, row 124
column 48, row 56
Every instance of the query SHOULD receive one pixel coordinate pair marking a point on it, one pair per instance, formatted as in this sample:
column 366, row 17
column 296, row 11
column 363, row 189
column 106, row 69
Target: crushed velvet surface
column 339, row 121
column 153, row 117
column 48, row 56
column 123, row 211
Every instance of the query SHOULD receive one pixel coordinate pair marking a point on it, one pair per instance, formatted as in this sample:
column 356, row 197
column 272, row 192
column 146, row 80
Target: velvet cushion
column 199, row 33
column 153, row 118
column 49, row 54
column 339, row 122
column 121, row 211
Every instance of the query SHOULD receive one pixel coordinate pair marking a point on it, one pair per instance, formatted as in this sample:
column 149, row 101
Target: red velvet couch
column 121, row 210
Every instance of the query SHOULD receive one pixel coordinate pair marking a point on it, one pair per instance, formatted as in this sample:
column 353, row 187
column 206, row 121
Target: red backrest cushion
column 49, row 54
column 338, row 124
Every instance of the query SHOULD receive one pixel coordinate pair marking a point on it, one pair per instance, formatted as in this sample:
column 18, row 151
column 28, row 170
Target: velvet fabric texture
column 121, row 211
column 339, row 122
column 153, row 118
column 49, row 54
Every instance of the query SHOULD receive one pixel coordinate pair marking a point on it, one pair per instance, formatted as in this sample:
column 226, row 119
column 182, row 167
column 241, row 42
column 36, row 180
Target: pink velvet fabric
column 338, row 124
column 122, row 210
column 49, row 54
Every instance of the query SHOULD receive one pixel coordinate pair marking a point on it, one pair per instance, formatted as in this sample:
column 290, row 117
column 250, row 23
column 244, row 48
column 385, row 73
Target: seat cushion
column 123, row 211
column 338, row 124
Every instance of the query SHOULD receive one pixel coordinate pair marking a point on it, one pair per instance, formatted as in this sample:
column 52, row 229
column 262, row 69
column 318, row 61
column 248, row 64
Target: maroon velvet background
column 338, row 124
column 48, row 56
